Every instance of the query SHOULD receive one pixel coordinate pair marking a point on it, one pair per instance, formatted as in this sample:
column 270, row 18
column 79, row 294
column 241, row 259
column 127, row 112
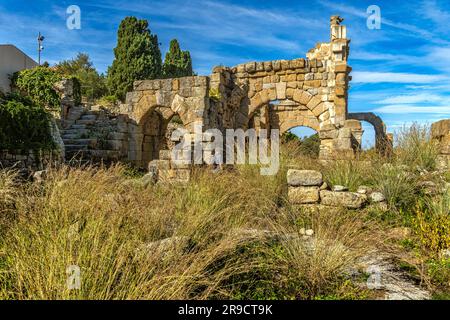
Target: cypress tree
column 177, row 63
column 137, row 57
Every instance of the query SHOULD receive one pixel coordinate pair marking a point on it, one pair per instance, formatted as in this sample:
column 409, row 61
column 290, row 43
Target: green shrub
column 432, row 223
column 439, row 272
column 76, row 90
column 23, row 125
column 37, row 83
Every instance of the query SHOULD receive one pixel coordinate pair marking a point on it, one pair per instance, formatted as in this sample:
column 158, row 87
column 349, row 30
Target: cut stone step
column 70, row 136
column 88, row 117
column 75, row 131
column 82, row 142
column 85, row 122
column 75, row 147
column 78, row 126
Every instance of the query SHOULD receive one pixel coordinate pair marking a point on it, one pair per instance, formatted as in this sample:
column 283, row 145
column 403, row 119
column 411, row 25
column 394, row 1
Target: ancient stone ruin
column 440, row 131
column 279, row 94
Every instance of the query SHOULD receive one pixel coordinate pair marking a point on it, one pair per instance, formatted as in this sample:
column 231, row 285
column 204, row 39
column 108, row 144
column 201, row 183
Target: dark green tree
column 93, row 84
column 177, row 63
column 137, row 57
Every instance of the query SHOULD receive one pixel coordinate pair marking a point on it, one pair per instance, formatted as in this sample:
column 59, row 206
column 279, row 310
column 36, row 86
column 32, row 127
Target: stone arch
column 383, row 142
column 149, row 134
column 318, row 108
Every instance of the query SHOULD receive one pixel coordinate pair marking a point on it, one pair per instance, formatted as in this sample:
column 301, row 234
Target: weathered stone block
column 351, row 200
column 303, row 195
column 304, row 178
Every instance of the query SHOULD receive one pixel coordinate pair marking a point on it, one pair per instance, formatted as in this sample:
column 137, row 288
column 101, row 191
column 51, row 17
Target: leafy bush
column 92, row 84
column 432, row 223
column 37, row 83
column 23, row 125
column 439, row 272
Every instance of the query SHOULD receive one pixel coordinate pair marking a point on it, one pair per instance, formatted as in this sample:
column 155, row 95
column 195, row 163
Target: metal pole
column 39, row 48
column 40, row 39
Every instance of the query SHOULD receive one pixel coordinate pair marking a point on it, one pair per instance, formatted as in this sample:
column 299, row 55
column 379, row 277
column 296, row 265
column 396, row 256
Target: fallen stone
column 149, row 179
column 350, row 200
column 324, row 186
column 309, row 232
column 39, row 176
column 303, row 195
column 428, row 187
column 304, row 178
column 364, row 190
column 377, row 197
column 338, row 188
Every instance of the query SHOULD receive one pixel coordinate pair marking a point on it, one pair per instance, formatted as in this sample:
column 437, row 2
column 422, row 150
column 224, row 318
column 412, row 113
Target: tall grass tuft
column 415, row 147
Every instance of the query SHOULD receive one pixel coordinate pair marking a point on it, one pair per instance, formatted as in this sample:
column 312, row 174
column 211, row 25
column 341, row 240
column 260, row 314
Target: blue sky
column 401, row 72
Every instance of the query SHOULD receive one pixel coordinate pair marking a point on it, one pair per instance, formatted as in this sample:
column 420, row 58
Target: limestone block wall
column 154, row 103
column 440, row 131
column 307, row 188
column 283, row 94
column 29, row 160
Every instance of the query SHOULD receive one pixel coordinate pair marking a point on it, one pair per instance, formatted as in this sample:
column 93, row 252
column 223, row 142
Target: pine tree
column 137, row 57
column 177, row 63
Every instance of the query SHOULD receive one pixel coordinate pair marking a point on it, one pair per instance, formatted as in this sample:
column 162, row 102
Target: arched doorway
column 152, row 140
column 304, row 140
column 368, row 140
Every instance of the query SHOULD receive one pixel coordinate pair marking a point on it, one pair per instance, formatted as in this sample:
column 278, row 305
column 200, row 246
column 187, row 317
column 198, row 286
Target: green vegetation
column 137, row 57
column 177, row 63
column 308, row 146
column 23, row 124
column 37, row 83
column 92, row 84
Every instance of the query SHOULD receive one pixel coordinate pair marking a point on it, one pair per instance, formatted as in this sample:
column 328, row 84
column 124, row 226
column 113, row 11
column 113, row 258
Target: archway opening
column 301, row 140
column 153, row 133
column 368, row 140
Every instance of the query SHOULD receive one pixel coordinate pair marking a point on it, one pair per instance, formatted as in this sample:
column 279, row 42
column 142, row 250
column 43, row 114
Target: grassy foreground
column 233, row 235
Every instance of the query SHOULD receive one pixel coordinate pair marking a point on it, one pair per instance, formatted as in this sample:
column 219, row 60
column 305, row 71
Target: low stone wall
column 440, row 131
column 165, row 170
column 29, row 160
column 307, row 187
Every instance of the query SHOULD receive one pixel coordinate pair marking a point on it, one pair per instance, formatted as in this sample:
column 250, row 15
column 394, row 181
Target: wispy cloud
column 415, row 98
column 408, row 109
column 410, row 29
column 395, row 77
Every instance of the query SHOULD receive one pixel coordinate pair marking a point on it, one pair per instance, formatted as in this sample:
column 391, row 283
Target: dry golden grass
column 105, row 223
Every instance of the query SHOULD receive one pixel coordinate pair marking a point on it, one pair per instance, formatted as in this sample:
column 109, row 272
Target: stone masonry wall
column 307, row 188
column 440, row 131
column 29, row 160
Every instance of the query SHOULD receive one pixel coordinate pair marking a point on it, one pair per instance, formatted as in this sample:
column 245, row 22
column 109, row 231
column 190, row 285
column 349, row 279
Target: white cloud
column 414, row 99
column 409, row 29
column 395, row 77
column 408, row 109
